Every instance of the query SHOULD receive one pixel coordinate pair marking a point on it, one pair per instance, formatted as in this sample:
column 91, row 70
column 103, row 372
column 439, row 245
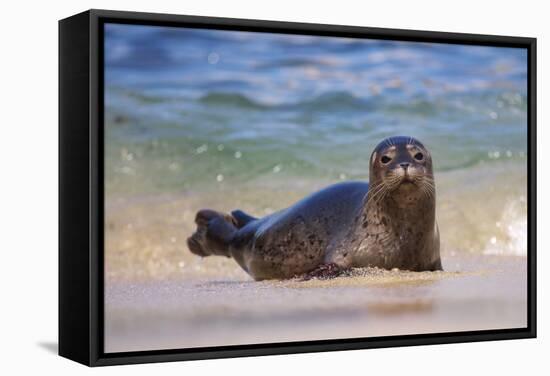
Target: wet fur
column 390, row 225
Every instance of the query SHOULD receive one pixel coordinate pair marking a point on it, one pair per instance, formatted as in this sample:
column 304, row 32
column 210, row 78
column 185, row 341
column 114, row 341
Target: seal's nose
column 404, row 165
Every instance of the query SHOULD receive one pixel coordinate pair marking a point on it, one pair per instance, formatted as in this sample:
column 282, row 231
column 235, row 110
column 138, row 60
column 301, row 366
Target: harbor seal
column 387, row 223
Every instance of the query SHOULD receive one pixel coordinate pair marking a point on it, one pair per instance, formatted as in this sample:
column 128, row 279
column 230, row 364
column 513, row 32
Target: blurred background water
column 212, row 114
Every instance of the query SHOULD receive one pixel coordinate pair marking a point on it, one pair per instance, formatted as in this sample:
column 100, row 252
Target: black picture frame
column 81, row 187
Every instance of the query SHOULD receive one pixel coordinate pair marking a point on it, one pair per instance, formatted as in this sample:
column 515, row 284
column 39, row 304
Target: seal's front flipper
column 214, row 233
column 324, row 271
column 436, row 266
column 242, row 218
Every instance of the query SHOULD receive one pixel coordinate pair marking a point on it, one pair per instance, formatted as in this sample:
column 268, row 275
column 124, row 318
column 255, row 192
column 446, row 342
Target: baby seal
column 387, row 223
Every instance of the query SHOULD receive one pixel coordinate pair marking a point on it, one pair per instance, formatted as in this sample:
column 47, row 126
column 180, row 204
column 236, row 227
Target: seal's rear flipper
column 242, row 218
column 214, row 233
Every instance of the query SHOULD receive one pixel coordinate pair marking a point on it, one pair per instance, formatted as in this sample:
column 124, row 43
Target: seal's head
column 401, row 165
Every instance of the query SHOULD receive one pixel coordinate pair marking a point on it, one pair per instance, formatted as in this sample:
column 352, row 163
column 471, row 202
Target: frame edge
column 74, row 221
column 93, row 354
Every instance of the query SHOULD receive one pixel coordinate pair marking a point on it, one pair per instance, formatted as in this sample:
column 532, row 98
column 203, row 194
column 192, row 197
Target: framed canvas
column 235, row 187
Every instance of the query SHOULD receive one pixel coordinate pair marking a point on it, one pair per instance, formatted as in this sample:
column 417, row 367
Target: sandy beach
column 474, row 293
column 160, row 296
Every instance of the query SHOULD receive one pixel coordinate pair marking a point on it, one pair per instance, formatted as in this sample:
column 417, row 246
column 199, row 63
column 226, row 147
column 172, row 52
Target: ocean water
column 209, row 114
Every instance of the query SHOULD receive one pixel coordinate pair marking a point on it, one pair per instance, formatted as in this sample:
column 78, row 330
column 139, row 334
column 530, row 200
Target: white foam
column 512, row 237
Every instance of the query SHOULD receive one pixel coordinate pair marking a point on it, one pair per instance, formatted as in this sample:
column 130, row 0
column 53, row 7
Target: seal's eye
column 385, row 159
column 419, row 156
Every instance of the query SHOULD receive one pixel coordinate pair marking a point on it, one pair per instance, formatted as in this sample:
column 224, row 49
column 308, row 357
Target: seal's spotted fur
column 390, row 224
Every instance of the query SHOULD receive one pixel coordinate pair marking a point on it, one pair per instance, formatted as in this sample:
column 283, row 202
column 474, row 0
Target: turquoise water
column 189, row 108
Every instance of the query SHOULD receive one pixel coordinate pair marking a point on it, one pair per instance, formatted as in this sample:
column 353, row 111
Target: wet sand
column 474, row 293
column 160, row 296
